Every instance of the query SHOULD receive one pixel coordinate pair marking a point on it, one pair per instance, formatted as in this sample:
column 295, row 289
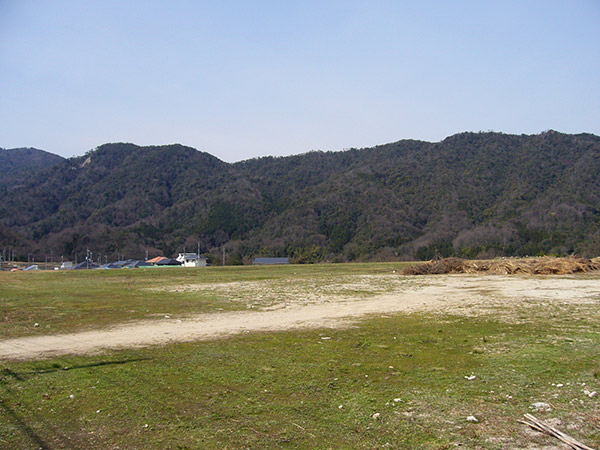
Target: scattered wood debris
column 509, row 266
column 538, row 425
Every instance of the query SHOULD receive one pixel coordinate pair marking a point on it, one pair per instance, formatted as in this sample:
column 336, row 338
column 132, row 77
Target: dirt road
column 455, row 294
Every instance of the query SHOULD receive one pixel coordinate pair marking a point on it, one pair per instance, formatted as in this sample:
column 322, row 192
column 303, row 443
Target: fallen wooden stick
column 303, row 429
column 537, row 424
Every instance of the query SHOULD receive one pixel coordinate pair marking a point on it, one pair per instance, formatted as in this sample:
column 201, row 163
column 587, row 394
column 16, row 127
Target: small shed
column 135, row 263
column 267, row 261
column 168, row 262
column 157, row 259
column 116, row 264
column 192, row 260
column 85, row 265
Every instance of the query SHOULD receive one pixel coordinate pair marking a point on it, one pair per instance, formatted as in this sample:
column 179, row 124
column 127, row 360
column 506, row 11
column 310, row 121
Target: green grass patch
column 316, row 389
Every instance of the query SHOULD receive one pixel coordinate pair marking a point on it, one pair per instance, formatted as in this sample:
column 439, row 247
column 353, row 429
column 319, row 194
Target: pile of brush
column 530, row 266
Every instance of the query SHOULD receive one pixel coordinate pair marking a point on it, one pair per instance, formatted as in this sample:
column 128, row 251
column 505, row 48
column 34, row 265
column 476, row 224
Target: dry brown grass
column 530, row 266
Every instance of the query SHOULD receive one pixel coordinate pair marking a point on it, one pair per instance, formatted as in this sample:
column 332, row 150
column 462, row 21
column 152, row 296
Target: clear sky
column 241, row 79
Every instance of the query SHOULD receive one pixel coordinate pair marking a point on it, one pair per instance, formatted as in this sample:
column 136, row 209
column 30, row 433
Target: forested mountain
column 21, row 164
column 472, row 194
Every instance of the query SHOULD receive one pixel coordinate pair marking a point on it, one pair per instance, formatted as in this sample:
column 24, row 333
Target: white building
column 191, row 260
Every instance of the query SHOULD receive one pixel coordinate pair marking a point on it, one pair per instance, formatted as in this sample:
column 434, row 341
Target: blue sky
column 241, row 79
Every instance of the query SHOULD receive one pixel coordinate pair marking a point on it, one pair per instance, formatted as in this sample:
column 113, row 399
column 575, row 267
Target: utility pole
column 146, row 254
column 223, row 255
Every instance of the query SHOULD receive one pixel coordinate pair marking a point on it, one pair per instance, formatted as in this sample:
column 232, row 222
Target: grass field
column 397, row 381
column 67, row 301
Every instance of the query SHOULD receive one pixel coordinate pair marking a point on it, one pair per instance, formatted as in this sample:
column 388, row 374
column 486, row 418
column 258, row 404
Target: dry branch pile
column 530, row 266
column 537, row 424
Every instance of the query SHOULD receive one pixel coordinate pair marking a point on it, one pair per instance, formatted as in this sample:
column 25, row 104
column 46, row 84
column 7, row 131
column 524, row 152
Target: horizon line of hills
column 469, row 195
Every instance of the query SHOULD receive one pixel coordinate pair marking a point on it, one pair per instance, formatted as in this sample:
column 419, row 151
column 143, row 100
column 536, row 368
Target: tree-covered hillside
column 18, row 165
column 472, row 194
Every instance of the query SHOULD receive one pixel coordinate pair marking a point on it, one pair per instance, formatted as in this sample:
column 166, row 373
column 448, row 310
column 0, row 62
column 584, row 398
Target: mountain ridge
column 17, row 165
column 471, row 194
